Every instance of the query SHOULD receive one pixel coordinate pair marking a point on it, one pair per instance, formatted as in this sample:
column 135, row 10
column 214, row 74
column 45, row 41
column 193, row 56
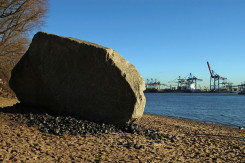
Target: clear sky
column 164, row 39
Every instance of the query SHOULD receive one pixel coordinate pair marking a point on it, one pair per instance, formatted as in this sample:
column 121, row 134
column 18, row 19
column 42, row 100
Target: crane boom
column 210, row 70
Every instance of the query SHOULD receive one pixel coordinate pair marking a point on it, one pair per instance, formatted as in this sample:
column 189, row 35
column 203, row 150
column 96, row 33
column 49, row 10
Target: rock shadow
column 59, row 124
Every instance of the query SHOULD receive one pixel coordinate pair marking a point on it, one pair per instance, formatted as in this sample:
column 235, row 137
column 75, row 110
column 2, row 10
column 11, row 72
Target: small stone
column 142, row 146
column 59, row 125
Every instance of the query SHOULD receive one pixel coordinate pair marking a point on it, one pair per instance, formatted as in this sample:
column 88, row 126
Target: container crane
column 192, row 81
column 153, row 84
column 180, row 81
column 215, row 78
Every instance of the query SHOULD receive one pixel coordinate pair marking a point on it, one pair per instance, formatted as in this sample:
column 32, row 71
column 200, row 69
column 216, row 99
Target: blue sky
column 164, row 39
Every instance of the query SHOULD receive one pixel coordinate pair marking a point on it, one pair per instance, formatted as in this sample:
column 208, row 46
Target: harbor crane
column 192, row 80
column 216, row 79
column 187, row 83
column 180, row 81
column 153, row 84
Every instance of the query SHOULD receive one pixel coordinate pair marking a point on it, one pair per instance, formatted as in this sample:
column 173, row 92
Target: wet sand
column 193, row 142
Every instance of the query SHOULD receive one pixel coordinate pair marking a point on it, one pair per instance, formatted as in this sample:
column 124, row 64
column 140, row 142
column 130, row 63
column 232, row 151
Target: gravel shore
column 31, row 137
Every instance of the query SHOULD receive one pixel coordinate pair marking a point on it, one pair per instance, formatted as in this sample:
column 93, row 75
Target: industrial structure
column 215, row 80
column 241, row 88
column 180, row 83
column 189, row 83
column 153, row 84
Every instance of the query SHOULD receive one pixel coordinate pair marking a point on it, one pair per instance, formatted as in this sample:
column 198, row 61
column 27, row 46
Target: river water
column 220, row 108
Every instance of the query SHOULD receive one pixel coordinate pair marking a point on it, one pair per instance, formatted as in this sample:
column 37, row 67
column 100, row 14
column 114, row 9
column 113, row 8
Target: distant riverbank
column 185, row 91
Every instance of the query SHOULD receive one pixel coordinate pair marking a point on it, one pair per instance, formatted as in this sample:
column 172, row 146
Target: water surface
column 221, row 108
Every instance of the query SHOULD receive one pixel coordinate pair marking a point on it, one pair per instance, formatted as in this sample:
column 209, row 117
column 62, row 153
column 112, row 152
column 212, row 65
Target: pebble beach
column 177, row 140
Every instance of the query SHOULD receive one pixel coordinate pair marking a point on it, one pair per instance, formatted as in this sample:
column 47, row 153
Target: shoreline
column 10, row 101
column 192, row 142
column 211, row 123
column 184, row 121
column 221, row 109
column 4, row 102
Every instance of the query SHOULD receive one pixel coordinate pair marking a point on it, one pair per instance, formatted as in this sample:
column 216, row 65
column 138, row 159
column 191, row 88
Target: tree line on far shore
column 18, row 20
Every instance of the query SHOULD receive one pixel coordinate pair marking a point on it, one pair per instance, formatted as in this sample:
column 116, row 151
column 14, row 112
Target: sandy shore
column 193, row 142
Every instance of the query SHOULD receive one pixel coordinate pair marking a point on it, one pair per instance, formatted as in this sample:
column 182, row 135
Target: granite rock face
column 80, row 78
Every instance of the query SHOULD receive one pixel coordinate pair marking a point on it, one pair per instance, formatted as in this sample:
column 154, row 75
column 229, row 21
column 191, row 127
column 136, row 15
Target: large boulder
column 79, row 78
